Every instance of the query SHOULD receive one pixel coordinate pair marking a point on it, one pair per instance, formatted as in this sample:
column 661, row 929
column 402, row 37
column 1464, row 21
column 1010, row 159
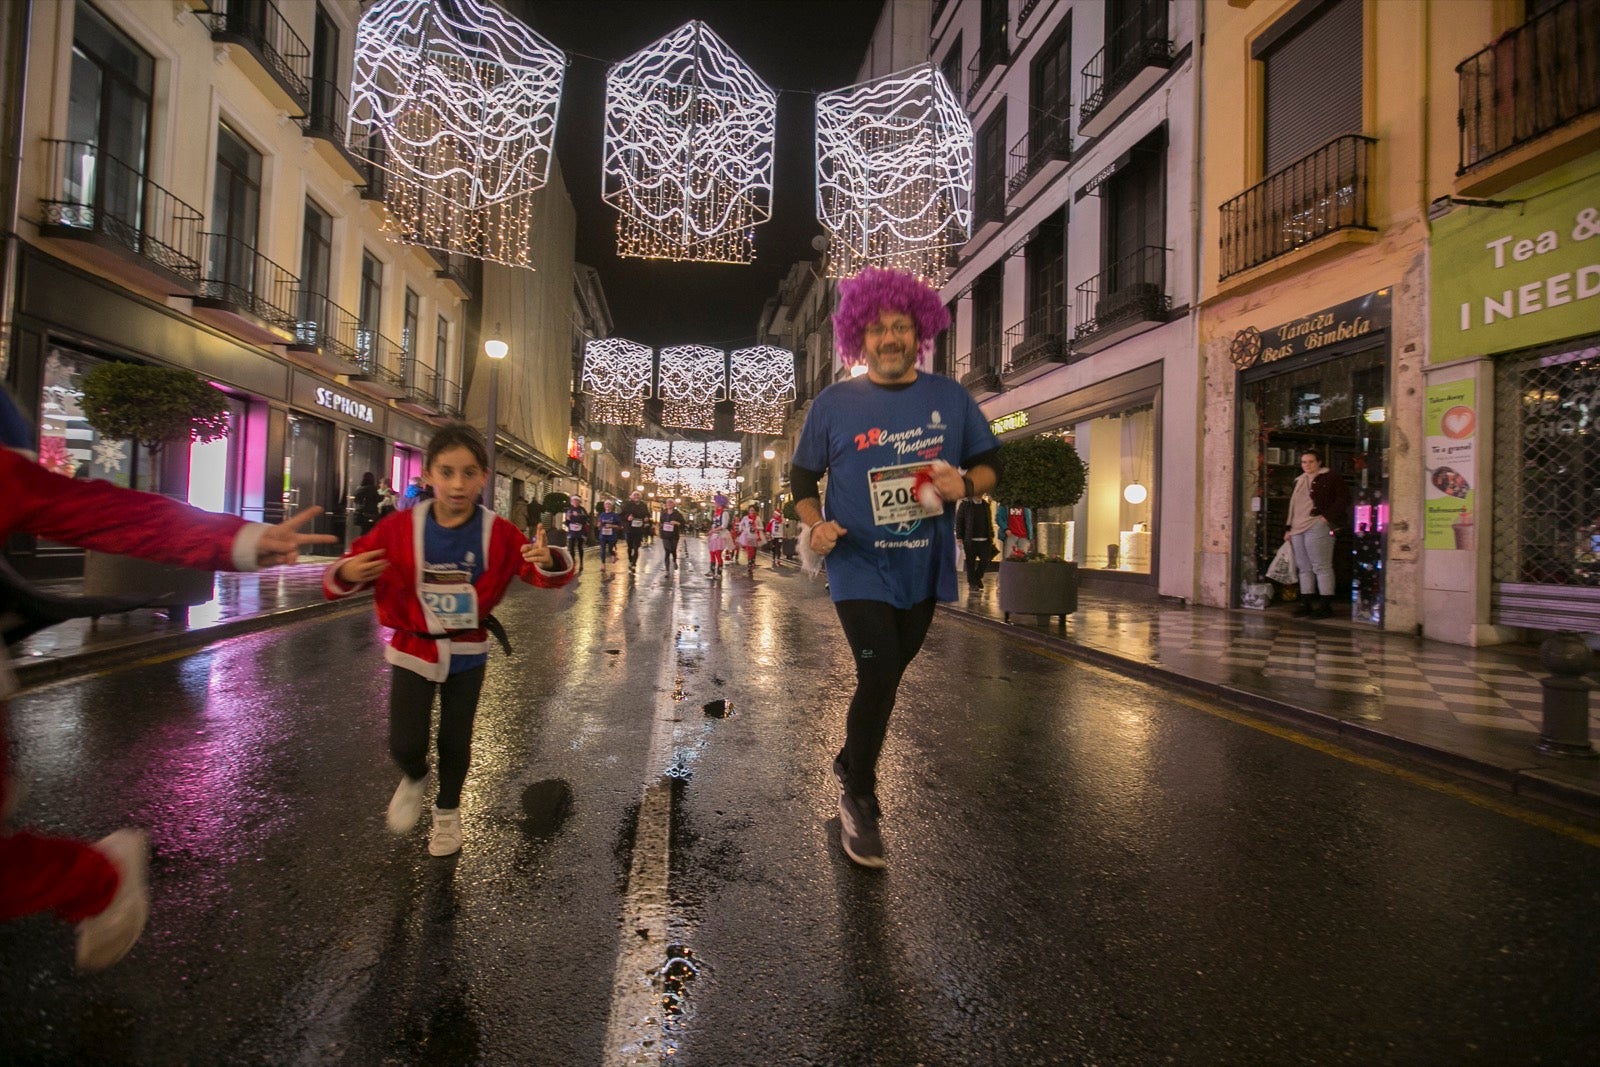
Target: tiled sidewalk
column 1475, row 710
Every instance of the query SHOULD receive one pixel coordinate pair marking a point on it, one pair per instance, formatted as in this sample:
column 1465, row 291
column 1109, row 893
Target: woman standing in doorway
column 1318, row 508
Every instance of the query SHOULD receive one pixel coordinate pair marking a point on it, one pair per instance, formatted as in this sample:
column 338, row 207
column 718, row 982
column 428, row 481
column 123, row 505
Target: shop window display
column 67, row 445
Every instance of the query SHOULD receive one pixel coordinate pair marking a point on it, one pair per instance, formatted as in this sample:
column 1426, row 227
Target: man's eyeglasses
column 900, row 329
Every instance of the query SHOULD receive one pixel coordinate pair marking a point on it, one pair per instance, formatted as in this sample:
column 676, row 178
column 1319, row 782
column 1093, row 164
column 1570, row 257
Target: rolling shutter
column 1313, row 83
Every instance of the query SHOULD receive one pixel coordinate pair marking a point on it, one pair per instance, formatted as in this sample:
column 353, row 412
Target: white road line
column 634, row 1028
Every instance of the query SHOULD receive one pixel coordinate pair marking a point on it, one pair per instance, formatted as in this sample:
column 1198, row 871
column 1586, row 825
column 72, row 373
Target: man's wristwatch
column 966, row 483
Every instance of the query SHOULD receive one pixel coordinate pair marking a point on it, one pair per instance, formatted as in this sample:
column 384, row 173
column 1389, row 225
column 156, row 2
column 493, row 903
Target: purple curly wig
column 875, row 290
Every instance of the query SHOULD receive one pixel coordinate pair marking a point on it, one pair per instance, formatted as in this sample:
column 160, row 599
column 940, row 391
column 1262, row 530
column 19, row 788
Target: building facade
column 1073, row 301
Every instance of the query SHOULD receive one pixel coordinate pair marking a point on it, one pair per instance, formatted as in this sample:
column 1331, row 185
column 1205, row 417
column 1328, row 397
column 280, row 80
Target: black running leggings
column 411, row 710
column 634, row 537
column 669, row 542
column 884, row 639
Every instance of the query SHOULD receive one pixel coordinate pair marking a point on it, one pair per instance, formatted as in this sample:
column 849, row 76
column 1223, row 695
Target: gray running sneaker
column 858, row 830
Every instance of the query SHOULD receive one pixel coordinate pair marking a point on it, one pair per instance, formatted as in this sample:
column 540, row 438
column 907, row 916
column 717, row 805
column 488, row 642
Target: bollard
column 1565, row 728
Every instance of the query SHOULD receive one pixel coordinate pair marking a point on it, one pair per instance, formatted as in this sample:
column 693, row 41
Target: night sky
column 798, row 47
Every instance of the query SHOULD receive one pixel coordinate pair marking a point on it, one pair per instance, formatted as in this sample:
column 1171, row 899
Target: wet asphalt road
column 1082, row 868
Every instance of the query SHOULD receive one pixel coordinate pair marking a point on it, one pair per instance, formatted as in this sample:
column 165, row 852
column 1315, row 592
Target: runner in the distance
column 576, row 524
column 671, row 529
column 635, row 521
column 608, row 522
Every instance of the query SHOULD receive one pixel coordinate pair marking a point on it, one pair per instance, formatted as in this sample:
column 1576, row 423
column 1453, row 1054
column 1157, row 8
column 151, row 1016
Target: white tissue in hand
column 930, row 499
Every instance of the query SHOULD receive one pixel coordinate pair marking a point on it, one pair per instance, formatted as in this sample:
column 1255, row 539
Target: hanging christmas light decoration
column 726, row 455
column 688, row 150
column 457, row 103
column 689, row 454
column 650, row 455
column 616, row 374
column 894, row 174
column 761, row 382
column 690, row 380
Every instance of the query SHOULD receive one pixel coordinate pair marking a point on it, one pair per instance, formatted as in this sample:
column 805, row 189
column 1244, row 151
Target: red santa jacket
column 108, row 518
column 398, row 589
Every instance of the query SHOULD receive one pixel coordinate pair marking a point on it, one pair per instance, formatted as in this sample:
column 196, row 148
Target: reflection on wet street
column 1082, row 868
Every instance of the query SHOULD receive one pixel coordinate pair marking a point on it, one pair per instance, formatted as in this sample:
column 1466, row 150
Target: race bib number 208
column 894, row 500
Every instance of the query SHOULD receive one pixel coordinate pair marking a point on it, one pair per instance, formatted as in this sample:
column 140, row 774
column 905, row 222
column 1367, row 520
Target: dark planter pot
column 157, row 585
column 1041, row 587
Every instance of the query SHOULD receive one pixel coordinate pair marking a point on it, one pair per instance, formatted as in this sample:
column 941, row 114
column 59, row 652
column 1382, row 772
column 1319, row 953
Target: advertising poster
column 1451, row 429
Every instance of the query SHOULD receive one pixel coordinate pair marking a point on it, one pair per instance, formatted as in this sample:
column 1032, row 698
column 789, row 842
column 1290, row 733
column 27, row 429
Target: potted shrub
column 554, row 505
column 155, row 407
column 1039, row 472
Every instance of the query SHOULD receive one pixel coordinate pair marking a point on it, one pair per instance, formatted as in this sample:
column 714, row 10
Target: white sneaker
column 405, row 807
column 446, row 837
column 105, row 938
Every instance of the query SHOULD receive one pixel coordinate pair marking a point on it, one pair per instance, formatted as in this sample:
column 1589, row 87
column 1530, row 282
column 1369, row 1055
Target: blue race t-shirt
column 871, row 440
column 450, row 557
column 609, row 521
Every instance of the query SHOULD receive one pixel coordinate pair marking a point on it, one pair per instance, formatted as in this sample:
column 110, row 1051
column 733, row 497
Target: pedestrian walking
column 882, row 440
column 608, row 522
column 415, row 491
column 671, row 525
column 438, row 573
column 975, row 528
column 748, row 535
column 101, row 887
column 575, row 522
column 1017, row 526
column 1318, row 507
column 775, row 537
column 366, row 503
column 635, row 524
column 719, row 536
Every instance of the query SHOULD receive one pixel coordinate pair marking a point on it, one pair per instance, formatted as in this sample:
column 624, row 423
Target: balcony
column 372, row 153
column 1036, row 346
column 979, row 370
column 1026, row 24
column 1039, row 156
column 422, row 390
column 279, row 62
column 380, row 365
column 246, row 293
column 449, row 399
column 127, row 224
column 1534, row 80
column 1310, row 198
column 988, row 211
column 454, row 269
column 324, row 334
column 1136, row 56
column 324, row 123
column 986, row 61
column 1126, row 299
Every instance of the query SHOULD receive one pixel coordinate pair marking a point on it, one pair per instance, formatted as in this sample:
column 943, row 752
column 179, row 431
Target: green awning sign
column 1523, row 274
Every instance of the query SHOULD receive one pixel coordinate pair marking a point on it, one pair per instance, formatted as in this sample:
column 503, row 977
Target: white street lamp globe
column 768, row 454
column 496, row 349
column 1135, row 493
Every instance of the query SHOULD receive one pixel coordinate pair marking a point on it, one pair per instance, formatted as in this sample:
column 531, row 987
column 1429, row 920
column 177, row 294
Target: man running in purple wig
column 899, row 447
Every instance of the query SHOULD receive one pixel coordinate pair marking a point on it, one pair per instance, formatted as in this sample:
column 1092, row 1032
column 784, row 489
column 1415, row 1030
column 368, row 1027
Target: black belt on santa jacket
column 490, row 623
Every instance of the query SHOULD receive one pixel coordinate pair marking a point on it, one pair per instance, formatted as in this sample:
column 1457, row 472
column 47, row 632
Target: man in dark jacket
column 635, row 522
column 975, row 527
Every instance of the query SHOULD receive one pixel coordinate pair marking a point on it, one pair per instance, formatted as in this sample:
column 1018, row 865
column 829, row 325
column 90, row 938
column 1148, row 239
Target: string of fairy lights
column 457, row 102
column 617, row 375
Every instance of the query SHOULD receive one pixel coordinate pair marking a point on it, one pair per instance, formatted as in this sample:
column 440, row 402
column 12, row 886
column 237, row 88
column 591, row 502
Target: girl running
column 750, row 536
column 440, row 569
column 718, row 539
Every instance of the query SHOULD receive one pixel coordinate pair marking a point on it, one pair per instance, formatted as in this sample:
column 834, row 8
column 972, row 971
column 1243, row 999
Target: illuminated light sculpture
column 894, row 174
column 689, row 454
column 691, row 379
column 650, row 454
column 457, row 103
column 616, row 374
column 688, row 150
column 725, row 455
column 761, row 382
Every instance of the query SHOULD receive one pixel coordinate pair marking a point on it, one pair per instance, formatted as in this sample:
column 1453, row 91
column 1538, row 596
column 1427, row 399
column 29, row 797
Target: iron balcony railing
column 450, row 398
column 237, row 275
column 1139, row 41
column 260, row 26
column 1040, row 337
column 982, row 62
column 380, row 359
column 989, row 200
column 421, row 380
column 1324, row 192
column 322, row 324
column 1027, row 9
column 1133, row 289
column 1539, row 76
column 1049, row 137
column 325, row 117
column 369, row 148
column 981, row 366
column 101, row 194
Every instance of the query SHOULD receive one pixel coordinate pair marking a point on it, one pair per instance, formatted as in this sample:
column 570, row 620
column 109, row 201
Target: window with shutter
column 1313, row 82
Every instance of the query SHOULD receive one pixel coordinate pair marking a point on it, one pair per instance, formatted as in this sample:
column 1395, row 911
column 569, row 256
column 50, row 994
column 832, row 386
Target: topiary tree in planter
column 1040, row 472
column 156, row 407
column 554, row 505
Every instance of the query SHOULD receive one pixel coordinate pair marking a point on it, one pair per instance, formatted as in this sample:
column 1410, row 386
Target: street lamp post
column 595, row 448
column 496, row 351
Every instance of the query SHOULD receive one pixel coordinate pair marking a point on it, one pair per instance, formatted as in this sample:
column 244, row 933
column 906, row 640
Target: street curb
column 1529, row 782
column 38, row 671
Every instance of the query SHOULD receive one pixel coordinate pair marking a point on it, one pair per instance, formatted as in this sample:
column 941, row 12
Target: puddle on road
column 717, row 709
column 680, row 969
column 546, row 806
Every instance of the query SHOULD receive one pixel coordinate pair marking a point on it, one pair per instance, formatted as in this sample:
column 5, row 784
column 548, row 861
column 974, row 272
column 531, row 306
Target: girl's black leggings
column 411, row 710
column 884, row 639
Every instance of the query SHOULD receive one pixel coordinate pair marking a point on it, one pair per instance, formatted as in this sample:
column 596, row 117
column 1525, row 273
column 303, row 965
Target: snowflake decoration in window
column 650, row 454
column 894, row 174
column 110, row 455
column 454, row 106
column 691, row 378
column 689, row 454
column 761, row 382
column 688, row 150
column 727, row 455
column 616, row 374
